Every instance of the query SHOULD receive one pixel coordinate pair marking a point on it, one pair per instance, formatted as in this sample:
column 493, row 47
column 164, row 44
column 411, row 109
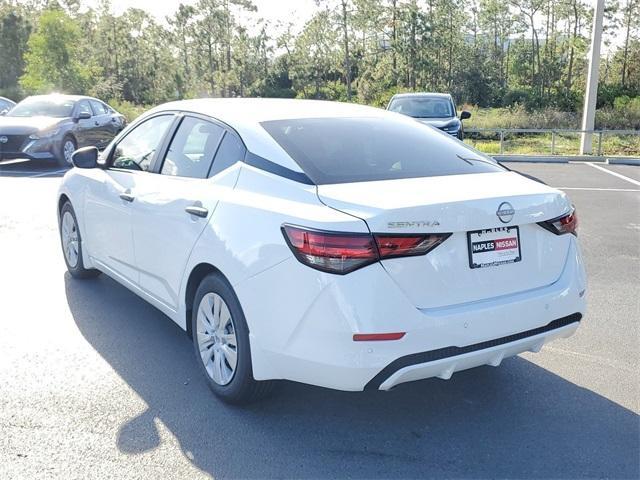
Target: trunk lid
column 459, row 204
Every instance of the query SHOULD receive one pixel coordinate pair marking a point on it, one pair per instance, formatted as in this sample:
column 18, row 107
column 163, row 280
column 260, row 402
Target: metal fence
column 476, row 137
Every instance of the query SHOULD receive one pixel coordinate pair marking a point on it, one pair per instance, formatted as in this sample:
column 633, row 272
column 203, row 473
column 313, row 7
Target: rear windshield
column 344, row 150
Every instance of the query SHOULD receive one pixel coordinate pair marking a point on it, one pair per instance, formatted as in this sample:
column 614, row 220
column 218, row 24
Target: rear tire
column 71, row 242
column 67, row 148
column 221, row 343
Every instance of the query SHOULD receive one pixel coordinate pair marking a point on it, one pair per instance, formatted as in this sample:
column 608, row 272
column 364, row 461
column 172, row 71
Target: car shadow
column 516, row 421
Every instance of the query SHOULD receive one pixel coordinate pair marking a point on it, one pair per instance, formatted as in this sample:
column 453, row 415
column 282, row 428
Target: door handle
column 197, row 211
column 127, row 197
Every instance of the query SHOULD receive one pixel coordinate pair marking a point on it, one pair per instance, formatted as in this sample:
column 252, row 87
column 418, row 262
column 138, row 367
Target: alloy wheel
column 70, row 242
column 68, row 150
column 216, row 337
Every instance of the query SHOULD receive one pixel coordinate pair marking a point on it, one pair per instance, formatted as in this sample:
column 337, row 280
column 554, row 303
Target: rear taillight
column 390, row 246
column 564, row 224
column 338, row 252
column 330, row 251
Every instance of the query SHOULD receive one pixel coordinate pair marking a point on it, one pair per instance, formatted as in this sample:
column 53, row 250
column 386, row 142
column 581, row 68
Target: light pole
column 591, row 93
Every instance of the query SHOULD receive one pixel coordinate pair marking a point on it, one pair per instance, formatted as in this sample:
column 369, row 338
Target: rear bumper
column 443, row 363
column 302, row 324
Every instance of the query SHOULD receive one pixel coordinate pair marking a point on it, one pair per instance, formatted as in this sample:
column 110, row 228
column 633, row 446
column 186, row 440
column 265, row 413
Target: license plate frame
column 505, row 250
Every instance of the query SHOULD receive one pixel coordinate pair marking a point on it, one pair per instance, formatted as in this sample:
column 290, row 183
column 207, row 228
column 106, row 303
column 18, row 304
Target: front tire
column 71, row 242
column 221, row 343
column 67, row 148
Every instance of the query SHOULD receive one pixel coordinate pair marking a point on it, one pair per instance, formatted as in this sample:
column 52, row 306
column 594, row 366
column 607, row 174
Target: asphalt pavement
column 96, row 383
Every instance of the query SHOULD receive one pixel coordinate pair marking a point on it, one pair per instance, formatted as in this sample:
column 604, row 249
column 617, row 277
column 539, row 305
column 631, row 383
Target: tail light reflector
column 562, row 225
column 377, row 337
column 338, row 252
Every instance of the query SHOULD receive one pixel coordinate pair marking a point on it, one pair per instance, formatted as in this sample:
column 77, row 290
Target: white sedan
column 326, row 243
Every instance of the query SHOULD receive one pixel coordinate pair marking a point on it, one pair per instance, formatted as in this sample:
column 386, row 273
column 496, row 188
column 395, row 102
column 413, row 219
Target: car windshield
column 41, row 107
column 423, row 107
column 343, row 150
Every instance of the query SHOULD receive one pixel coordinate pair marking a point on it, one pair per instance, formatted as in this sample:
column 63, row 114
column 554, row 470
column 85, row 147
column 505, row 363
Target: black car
column 52, row 127
column 435, row 109
column 6, row 105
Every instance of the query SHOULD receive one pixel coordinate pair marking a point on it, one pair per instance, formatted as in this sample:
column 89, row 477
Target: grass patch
column 565, row 144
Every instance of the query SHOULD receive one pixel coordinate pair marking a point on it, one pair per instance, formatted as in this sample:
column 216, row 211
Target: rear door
column 173, row 206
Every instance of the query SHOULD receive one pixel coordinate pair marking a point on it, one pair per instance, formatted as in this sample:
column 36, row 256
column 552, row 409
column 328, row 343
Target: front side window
column 343, row 150
column 423, row 107
column 98, row 107
column 192, row 149
column 83, row 107
column 136, row 150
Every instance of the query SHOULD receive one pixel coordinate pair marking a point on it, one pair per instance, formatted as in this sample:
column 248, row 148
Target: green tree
column 53, row 60
column 14, row 34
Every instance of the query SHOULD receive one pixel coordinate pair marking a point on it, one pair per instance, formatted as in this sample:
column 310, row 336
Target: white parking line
column 29, row 174
column 45, row 174
column 615, row 174
column 12, row 172
column 596, row 189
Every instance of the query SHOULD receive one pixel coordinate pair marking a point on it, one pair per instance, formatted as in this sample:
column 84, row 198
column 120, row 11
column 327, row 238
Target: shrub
column 130, row 110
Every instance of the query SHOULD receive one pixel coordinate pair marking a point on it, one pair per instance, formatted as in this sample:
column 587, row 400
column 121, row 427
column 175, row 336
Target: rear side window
column 343, row 150
column 136, row 150
column 192, row 148
column 231, row 151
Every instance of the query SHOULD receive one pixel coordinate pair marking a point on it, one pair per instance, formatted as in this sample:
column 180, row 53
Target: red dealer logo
column 506, row 243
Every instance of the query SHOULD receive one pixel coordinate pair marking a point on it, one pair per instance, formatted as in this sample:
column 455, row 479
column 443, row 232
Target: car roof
column 7, row 99
column 61, row 96
column 258, row 110
column 422, row 94
column 244, row 115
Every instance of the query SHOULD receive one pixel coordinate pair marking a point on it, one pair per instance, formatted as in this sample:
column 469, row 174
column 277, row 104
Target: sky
column 297, row 11
column 293, row 10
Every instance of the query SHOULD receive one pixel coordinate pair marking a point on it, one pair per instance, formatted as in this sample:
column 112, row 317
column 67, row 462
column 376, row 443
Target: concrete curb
column 567, row 159
column 624, row 161
column 531, row 158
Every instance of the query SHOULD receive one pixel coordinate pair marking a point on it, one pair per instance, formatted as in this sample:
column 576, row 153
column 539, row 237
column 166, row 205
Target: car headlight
column 46, row 134
column 452, row 127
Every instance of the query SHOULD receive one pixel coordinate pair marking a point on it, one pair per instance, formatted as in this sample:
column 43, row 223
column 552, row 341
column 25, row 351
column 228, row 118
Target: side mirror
column 86, row 157
column 4, row 112
column 464, row 115
column 83, row 116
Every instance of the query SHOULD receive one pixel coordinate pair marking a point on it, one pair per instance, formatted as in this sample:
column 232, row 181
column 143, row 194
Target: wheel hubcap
column 216, row 337
column 69, row 148
column 70, row 243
